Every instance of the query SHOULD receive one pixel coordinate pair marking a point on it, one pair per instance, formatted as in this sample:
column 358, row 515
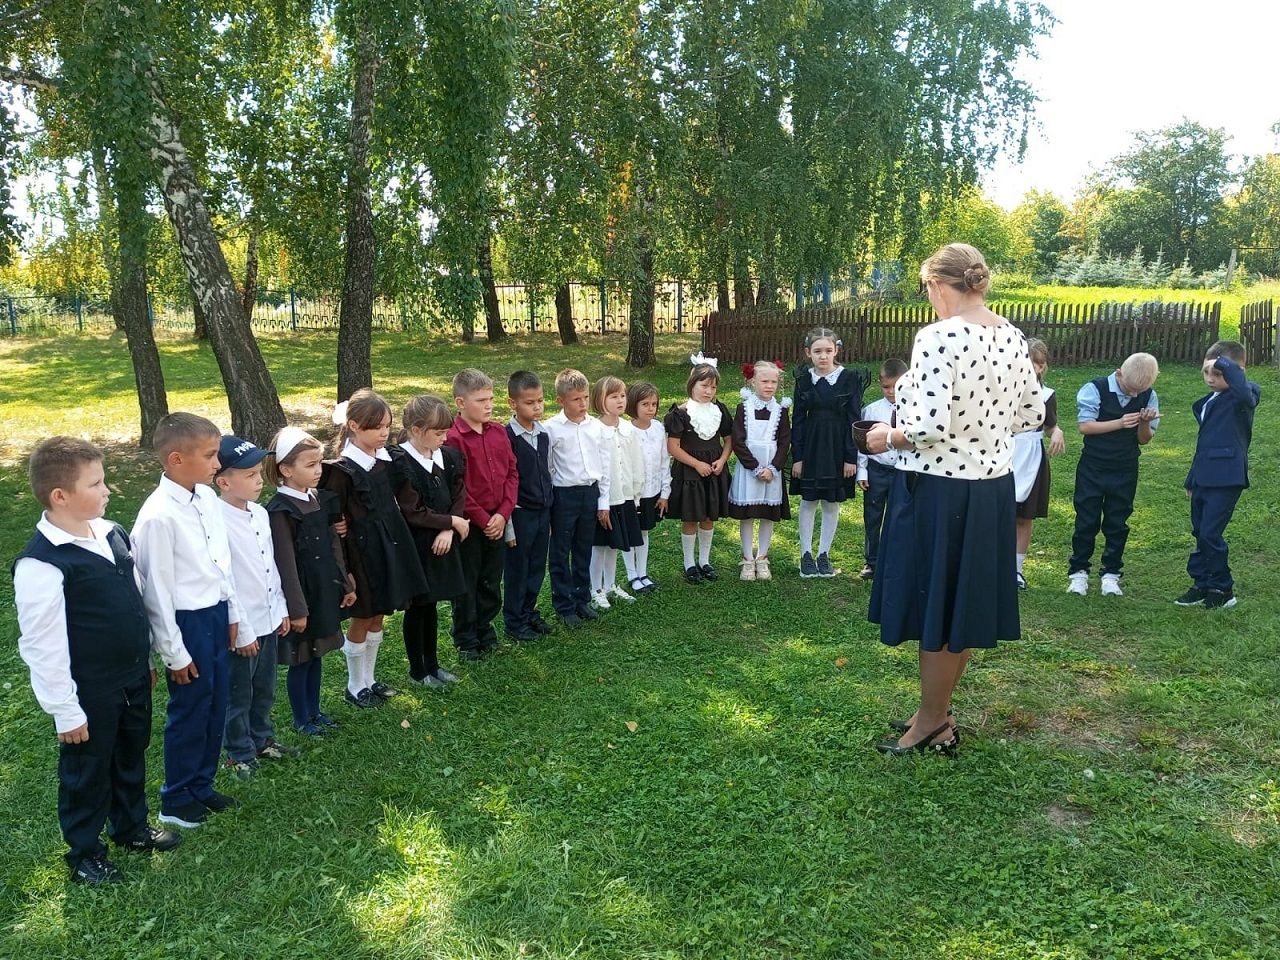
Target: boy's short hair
column 1233, row 350
column 177, row 431
column 520, row 381
column 468, row 380
column 637, row 394
column 56, row 464
column 602, row 388
column 569, row 380
column 1140, row 370
column 893, row 367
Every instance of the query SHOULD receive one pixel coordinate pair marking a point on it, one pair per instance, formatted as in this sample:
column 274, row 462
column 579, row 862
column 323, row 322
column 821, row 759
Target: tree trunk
column 640, row 328
column 201, row 321
column 108, row 231
column 355, row 317
column 564, row 315
column 768, row 295
column 489, row 290
column 722, row 295
column 133, row 225
column 249, row 295
column 255, row 406
column 743, row 295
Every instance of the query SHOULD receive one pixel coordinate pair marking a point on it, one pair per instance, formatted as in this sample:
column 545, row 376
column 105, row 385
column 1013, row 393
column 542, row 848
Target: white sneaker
column 1078, row 582
column 762, row 569
column 600, row 600
column 1111, row 585
column 748, row 569
column 619, row 594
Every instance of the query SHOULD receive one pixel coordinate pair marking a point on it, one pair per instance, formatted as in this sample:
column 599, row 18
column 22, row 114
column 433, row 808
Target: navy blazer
column 1222, row 446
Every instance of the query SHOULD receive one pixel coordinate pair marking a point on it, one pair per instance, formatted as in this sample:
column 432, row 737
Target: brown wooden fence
column 1258, row 332
column 1076, row 333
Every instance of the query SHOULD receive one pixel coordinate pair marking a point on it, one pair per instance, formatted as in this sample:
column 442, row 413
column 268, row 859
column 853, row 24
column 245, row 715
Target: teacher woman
column 946, row 571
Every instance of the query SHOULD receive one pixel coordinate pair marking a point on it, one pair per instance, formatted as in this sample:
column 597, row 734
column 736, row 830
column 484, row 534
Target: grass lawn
column 693, row 776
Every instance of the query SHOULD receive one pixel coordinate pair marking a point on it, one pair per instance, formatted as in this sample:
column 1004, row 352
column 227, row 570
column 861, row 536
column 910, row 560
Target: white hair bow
column 340, row 413
column 287, row 441
column 697, row 358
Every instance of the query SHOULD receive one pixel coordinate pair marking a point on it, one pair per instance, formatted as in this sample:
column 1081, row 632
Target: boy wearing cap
column 251, row 693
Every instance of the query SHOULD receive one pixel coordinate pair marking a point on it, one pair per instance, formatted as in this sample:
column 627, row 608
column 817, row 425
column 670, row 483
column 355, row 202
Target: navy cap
column 237, row 454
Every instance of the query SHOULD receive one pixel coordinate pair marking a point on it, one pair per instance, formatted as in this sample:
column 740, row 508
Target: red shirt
column 489, row 475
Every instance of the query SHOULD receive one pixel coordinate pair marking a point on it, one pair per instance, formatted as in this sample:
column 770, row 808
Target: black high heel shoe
column 927, row 745
column 902, row 726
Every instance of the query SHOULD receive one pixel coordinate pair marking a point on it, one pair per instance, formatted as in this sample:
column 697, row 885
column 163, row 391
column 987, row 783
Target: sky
column 1112, row 67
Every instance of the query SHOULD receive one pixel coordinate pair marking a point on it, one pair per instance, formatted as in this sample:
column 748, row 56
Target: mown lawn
column 1116, row 794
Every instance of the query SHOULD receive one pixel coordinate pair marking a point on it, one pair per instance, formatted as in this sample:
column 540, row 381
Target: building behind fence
column 1075, row 333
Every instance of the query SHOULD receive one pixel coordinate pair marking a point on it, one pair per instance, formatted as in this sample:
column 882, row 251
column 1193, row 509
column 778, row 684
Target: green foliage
column 1254, row 214
column 1092, row 269
column 970, row 217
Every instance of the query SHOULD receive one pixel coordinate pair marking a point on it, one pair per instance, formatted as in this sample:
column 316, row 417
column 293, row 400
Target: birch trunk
column 564, row 315
column 489, row 290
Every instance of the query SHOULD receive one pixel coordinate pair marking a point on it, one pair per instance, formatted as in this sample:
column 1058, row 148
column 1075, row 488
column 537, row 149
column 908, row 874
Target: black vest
column 1120, row 447
column 534, row 469
column 108, row 635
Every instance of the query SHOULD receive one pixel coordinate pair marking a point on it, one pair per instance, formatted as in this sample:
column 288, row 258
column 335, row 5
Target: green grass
column 1116, row 795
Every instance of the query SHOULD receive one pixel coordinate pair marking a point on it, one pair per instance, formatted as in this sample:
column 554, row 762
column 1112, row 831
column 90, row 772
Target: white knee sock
column 609, row 562
column 630, row 560
column 354, row 652
column 642, row 556
column 747, row 534
column 597, row 568
column 371, row 644
column 1021, row 557
column 830, row 517
column 687, row 540
column 766, row 537
column 805, row 526
column 704, row 545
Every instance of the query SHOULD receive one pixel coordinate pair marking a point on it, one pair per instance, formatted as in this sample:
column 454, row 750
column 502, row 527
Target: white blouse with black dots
column 969, row 390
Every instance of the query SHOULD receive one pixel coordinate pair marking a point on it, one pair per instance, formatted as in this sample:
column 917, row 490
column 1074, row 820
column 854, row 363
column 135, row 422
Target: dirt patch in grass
column 1068, row 816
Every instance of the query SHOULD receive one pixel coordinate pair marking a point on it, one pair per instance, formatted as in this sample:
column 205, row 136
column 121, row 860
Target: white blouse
column 655, row 459
column 969, row 390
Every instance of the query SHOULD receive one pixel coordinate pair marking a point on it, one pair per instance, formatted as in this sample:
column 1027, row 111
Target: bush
column 1091, row 269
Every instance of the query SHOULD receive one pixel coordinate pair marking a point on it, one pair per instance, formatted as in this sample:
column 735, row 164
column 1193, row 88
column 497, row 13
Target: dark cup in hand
column 860, row 430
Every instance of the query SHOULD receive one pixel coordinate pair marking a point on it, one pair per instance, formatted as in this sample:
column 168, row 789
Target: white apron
column 745, row 488
column 1028, row 449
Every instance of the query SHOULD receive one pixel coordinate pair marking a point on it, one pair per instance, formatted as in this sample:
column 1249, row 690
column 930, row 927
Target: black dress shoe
column 217, row 802
column 587, row 613
column 571, row 620
column 524, row 636
column 538, row 625
column 928, row 745
column 693, row 574
column 95, row 871
column 470, row 655
column 382, row 690
column 709, row 572
column 150, row 838
column 902, row 726
column 365, row 699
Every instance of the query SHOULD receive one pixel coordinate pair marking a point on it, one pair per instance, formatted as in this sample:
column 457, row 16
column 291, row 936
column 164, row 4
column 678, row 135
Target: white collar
column 305, row 497
column 584, row 422
column 750, row 398
column 518, row 427
column 99, row 527
column 830, row 377
column 362, row 459
column 435, row 460
column 178, row 492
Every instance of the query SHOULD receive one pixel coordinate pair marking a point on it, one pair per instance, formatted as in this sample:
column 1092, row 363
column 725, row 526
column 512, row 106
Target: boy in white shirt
column 85, row 638
column 875, row 471
column 182, row 550
column 249, row 733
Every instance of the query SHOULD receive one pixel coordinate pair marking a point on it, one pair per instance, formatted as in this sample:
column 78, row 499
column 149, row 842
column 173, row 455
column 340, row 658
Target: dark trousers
column 251, row 694
column 879, row 480
column 474, row 611
column 105, row 777
column 1211, row 509
column 1103, row 499
column 197, row 711
column 526, row 568
column 573, row 528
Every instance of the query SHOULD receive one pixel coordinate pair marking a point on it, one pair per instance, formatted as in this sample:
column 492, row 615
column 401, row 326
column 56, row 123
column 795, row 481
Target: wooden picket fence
column 1258, row 332
column 1076, row 333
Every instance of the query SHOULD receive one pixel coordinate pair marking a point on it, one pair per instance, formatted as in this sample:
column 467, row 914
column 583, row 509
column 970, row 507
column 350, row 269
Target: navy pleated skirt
column 625, row 531
column 946, row 574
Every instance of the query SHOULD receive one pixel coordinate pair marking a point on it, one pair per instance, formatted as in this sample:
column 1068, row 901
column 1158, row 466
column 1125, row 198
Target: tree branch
column 31, row 80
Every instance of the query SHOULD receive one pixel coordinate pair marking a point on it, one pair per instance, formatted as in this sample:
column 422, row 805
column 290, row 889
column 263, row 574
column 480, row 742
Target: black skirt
column 1036, row 506
column 649, row 516
column 946, row 574
column 625, row 531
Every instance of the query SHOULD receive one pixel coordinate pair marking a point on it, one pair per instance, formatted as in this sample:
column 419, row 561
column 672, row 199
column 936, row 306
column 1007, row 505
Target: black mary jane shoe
column 927, row 745
column 693, row 574
column 709, row 573
column 902, row 726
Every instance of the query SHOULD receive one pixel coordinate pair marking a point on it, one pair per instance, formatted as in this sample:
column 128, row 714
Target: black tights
column 420, row 625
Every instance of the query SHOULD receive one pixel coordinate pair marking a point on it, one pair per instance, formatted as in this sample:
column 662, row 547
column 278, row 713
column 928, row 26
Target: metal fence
column 680, row 306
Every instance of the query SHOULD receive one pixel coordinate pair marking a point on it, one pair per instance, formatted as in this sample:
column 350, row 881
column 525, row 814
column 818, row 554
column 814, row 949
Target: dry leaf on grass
column 842, row 662
column 405, row 724
column 632, row 726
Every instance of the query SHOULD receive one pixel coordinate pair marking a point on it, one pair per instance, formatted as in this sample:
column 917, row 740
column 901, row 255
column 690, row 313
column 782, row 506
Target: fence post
column 679, row 306
column 79, row 315
column 293, row 309
column 826, row 287
column 603, row 302
column 13, row 317
column 533, row 317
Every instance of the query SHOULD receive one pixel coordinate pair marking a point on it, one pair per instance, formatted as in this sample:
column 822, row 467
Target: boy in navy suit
column 529, row 532
column 1219, row 471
